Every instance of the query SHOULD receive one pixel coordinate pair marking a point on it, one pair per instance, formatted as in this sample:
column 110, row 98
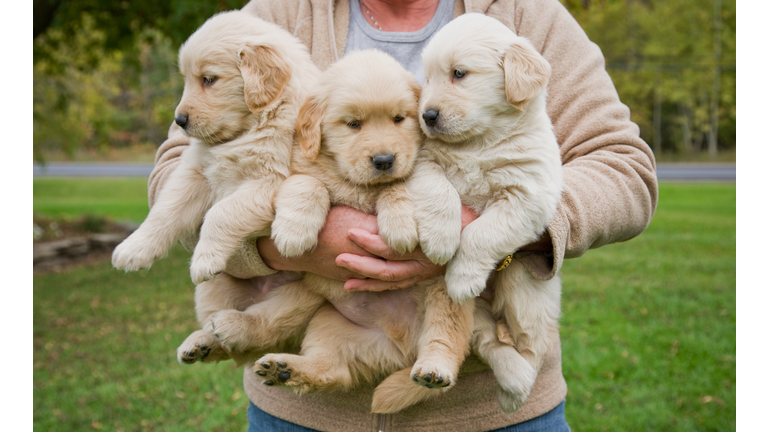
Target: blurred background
column 106, row 82
column 648, row 328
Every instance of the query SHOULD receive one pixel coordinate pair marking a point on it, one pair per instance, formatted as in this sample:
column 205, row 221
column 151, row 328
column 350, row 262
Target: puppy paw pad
column 196, row 353
column 274, row 372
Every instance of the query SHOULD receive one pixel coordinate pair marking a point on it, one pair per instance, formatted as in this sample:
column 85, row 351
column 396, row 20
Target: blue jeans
column 552, row 421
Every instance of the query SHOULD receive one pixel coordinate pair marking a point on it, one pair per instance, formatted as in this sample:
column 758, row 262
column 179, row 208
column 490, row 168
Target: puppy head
column 362, row 119
column 233, row 67
column 479, row 74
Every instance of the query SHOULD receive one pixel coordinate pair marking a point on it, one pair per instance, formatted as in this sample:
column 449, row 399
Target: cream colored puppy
column 359, row 135
column 244, row 80
column 490, row 146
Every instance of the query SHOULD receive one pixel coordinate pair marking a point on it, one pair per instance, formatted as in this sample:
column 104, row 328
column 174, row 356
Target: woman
column 610, row 195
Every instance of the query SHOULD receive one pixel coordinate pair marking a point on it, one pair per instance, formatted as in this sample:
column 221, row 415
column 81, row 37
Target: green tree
column 105, row 73
column 673, row 63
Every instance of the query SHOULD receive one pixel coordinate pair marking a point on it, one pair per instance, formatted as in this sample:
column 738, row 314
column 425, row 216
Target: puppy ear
column 416, row 88
column 265, row 74
column 526, row 74
column 308, row 129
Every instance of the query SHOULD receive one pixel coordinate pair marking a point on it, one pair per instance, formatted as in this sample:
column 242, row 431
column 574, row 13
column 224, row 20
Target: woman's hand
column 332, row 242
column 387, row 269
column 350, row 249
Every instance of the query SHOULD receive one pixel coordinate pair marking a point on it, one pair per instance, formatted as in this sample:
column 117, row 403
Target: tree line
column 105, row 73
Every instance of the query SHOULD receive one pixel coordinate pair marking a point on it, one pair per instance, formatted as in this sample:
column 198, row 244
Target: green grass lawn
column 648, row 327
column 123, row 199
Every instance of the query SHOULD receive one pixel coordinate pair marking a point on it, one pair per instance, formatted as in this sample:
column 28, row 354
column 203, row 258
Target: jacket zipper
column 382, row 422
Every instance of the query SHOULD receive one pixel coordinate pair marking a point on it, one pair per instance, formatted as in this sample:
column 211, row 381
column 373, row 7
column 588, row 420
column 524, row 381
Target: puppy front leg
column 502, row 229
column 301, row 206
column 395, row 216
column 229, row 222
column 438, row 211
column 179, row 209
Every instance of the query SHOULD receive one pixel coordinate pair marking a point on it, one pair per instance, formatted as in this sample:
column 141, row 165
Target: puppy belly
column 391, row 312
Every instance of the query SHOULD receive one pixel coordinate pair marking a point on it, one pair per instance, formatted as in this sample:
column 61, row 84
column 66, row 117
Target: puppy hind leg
column 513, row 373
column 222, row 293
column 283, row 314
column 333, row 354
column 531, row 309
column 445, row 339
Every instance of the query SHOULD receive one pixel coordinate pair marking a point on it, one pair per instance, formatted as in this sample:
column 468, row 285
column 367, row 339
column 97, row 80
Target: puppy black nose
column 430, row 117
column 182, row 120
column 383, row 162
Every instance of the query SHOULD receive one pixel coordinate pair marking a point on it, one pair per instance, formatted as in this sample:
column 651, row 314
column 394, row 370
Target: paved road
column 671, row 172
column 696, row 172
column 92, row 170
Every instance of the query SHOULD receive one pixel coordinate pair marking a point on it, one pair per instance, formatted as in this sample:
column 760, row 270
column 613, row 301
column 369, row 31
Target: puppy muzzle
column 383, row 162
column 182, row 120
column 430, row 117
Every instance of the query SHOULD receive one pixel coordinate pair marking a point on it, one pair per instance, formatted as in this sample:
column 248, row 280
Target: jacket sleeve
column 610, row 191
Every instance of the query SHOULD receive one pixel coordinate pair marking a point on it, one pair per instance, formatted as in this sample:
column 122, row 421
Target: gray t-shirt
column 405, row 47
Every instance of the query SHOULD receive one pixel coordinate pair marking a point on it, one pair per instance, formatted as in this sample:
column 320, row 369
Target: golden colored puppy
column 244, row 81
column 359, row 136
column 490, row 145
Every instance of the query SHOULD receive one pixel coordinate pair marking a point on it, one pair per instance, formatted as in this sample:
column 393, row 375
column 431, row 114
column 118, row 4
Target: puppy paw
column 200, row 346
column 440, row 249
column 439, row 235
column 439, row 240
column 510, row 402
column 292, row 240
column 205, row 266
column 516, row 380
column 463, row 283
column 192, row 351
column 233, row 330
column 432, row 376
column 284, row 370
column 135, row 253
column 273, row 370
column 399, row 233
column 189, row 355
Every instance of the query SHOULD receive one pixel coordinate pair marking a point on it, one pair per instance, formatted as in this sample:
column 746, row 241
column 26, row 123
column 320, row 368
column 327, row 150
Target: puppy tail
column 399, row 391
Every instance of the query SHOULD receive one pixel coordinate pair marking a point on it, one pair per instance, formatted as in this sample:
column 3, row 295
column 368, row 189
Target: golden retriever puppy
column 359, row 135
column 244, row 80
column 490, row 145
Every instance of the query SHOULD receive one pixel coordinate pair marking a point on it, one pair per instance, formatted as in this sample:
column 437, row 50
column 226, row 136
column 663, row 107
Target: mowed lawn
column 648, row 327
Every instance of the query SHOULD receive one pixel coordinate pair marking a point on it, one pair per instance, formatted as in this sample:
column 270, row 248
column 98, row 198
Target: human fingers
column 374, row 244
column 387, row 270
column 375, row 285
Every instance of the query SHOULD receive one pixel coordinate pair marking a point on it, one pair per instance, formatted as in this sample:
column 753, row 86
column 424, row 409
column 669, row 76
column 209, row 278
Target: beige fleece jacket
column 610, row 195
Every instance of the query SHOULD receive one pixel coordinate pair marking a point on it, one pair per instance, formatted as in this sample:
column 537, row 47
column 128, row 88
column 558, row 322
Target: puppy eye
column 354, row 124
column 208, row 80
column 398, row 119
column 459, row 74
